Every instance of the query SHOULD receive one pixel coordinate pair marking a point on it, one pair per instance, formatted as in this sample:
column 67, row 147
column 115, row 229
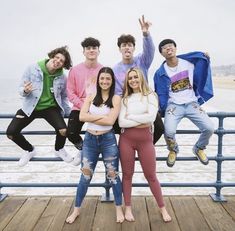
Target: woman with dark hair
column 100, row 112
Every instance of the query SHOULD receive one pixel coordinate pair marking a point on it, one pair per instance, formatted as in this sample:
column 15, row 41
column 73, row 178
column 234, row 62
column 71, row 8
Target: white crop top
column 102, row 110
column 139, row 110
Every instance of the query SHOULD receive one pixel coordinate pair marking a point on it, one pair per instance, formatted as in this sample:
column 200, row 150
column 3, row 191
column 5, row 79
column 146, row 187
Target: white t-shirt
column 181, row 88
column 102, row 110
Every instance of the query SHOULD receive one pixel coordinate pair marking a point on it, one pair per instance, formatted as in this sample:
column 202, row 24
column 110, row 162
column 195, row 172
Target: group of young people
column 116, row 100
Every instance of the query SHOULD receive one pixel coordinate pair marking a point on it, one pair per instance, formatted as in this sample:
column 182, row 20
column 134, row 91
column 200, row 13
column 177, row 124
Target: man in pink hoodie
column 80, row 84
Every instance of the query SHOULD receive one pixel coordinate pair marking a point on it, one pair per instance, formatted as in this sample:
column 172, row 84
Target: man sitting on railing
column 183, row 83
column 43, row 87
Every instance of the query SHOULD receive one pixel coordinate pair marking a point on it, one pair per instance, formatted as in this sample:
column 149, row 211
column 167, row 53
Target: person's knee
column 10, row 133
column 127, row 175
column 150, row 177
column 10, row 137
column 87, row 173
column 63, row 131
column 112, row 176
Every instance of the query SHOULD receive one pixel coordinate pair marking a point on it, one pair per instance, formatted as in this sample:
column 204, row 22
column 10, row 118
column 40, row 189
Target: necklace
column 173, row 69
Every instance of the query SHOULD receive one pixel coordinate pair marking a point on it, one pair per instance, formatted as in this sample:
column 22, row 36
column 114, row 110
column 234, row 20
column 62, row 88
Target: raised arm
column 147, row 55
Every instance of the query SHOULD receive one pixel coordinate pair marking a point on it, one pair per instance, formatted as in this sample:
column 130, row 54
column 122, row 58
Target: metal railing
column 219, row 158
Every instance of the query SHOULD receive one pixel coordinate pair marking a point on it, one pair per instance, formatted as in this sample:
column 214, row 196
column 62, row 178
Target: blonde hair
column 144, row 88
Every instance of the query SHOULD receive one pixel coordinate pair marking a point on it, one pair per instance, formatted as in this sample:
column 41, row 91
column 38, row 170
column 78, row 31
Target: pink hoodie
column 81, row 83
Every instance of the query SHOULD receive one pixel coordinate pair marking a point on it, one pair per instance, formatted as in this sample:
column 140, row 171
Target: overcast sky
column 31, row 28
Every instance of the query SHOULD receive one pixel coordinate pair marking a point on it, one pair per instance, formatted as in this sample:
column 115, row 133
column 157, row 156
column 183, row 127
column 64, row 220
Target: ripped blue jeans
column 93, row 145
column 176, row 112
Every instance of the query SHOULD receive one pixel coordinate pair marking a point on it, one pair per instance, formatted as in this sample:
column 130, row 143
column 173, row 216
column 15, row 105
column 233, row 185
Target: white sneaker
column 25, row 158
column 77, row 159
column 64, row 155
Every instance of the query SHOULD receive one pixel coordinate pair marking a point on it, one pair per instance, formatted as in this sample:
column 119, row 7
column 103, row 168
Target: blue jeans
column 93, row 145
column 192, row 111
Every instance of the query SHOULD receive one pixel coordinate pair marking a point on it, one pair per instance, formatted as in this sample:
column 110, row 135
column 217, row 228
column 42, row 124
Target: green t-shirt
column 47, row 98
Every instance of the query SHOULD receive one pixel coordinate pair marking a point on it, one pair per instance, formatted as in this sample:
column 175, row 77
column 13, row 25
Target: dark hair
column 98, row 100
column 164, row 42
column 125, row 38
column 64, row 51
column 90, row 42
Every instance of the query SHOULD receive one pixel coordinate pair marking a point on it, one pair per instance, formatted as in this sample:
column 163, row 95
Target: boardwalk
column 197, row 213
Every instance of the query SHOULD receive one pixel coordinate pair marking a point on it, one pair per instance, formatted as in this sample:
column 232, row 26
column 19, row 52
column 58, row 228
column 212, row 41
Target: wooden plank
column 29, row 213
column 8, row 208
column 155, row 217
column 215, row 214
column 86, row 218
column 105, row 218
column 230, row 206
column 140, row 213
column 53, row 218
column 188, row 214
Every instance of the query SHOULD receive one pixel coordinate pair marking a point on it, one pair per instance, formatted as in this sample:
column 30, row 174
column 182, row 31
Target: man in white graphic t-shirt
column 183, row 83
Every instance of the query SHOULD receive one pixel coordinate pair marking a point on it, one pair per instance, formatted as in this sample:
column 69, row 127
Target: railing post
column 2, row 196
column 217, row 197
column 107, row 197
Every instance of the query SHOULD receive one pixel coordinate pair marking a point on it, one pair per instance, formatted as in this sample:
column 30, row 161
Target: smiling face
column 91, row 52
column 56, row 63
column 168, row 51
column 134, row 81
column 105, row 81
column 127, row 51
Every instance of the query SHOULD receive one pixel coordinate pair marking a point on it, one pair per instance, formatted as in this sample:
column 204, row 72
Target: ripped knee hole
column 86, row 171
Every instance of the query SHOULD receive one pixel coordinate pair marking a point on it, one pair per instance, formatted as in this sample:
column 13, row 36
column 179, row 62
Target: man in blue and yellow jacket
column 183, row 83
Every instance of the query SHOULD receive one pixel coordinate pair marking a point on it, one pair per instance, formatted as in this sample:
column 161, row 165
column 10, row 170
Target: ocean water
column 61, row 172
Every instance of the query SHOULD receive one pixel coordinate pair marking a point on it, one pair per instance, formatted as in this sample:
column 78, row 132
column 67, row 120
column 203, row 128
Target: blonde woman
column 138, row 111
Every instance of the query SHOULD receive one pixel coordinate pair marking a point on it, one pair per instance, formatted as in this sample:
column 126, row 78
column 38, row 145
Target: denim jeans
column 192, row 111
column 93, row 145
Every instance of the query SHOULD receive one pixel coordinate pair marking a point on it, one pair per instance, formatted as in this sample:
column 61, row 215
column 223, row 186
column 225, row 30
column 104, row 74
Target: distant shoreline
column 227, row 82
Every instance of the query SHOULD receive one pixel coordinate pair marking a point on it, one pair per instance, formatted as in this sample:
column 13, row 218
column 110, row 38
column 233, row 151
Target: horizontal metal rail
column 219, row 158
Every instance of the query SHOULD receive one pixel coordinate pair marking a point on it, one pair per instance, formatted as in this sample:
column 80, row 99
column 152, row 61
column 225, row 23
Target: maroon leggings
column 139, row 139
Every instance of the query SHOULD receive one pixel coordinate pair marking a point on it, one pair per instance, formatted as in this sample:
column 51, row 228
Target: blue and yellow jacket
column 202, row 81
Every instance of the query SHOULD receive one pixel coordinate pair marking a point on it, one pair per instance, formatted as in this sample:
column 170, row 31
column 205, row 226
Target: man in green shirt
column 43, row 88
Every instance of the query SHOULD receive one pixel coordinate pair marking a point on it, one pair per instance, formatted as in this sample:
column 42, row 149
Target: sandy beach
column 224, row 82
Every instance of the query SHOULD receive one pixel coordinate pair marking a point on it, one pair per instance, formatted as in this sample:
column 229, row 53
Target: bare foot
column 70, row 219
column 128, row 214
column 165, row 215
column 119, row 214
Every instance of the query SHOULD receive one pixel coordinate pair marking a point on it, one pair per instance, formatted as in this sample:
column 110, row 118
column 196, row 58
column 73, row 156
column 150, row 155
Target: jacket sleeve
column 148, row 51
column 25, row 78
column 64, row 99
column 71, row 90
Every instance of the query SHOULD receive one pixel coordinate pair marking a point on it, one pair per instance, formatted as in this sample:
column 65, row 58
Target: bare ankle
column 128, row 214
column 165, row 215
column 119, row 214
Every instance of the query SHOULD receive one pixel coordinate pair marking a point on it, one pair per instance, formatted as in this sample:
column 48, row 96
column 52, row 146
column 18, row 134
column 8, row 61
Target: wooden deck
column 198, row 213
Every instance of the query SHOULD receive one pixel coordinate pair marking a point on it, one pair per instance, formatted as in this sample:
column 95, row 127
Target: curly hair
column 90, row 42
column 125, row 38
column 64, row 51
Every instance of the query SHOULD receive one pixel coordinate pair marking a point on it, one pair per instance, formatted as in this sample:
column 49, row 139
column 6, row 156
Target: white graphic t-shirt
column 181, row 88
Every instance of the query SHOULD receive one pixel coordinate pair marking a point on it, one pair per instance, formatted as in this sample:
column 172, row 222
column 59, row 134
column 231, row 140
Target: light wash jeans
column 176, row 112
column 93, row 145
